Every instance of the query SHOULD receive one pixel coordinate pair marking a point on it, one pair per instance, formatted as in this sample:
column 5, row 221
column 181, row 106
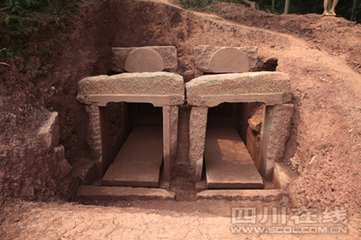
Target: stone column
column 197, row 135
column 94, row 131
column 274, row 134
column 170, row 134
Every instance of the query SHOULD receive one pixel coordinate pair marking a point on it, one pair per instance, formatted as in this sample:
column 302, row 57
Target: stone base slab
column 253, row 195
column 126, row 193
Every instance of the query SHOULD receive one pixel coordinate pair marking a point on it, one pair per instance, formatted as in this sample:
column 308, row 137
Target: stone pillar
column 170, row 134
column 197, row 135
column 94, row 132
column 274, row 134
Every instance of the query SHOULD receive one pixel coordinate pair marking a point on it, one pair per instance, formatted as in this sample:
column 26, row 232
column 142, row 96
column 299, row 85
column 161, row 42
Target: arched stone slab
column 204, row 54
column 229, row 60
column 144, row 60
column 168, row 54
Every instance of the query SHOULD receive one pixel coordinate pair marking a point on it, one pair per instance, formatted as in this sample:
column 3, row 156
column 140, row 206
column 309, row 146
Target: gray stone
column 168, row 55
column 216, row 59
column 49, row 131
column 159, row 88
column 197, row 135
column 144, row 60
column 270, row 88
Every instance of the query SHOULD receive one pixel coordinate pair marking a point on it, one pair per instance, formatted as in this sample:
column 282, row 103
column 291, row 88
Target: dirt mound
column 338, row 36
column 325, row 138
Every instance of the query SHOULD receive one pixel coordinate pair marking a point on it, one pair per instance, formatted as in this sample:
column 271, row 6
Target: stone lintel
column 210, row 90
column 102, row 100
column 214, row 100
column 158, row 88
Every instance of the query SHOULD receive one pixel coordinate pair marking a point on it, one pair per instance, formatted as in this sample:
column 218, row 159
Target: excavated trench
column 148, row 135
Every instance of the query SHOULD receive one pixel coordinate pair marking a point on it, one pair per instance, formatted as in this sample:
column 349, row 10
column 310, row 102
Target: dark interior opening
column 232, row 146
column 132, row 143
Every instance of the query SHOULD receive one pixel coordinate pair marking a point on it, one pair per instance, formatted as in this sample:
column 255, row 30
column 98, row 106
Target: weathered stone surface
column 216, row 59
column 144, row 60
column 170, row 136
column 159, row 88
column 139, row 160
column 103, row 192
column 228, row 163
column 49, row 131
column 229, row 60
column 94, row 132
column 270, row 88
column 197, row 135
column 168, row 55
column 275, row 132
column 253, row 195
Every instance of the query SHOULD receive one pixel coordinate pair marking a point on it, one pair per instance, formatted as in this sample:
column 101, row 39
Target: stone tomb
column 218, row 144
column 132, row 150
column 133, row 117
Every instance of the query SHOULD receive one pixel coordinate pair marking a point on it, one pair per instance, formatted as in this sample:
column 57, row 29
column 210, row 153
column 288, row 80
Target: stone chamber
column 224, row 131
